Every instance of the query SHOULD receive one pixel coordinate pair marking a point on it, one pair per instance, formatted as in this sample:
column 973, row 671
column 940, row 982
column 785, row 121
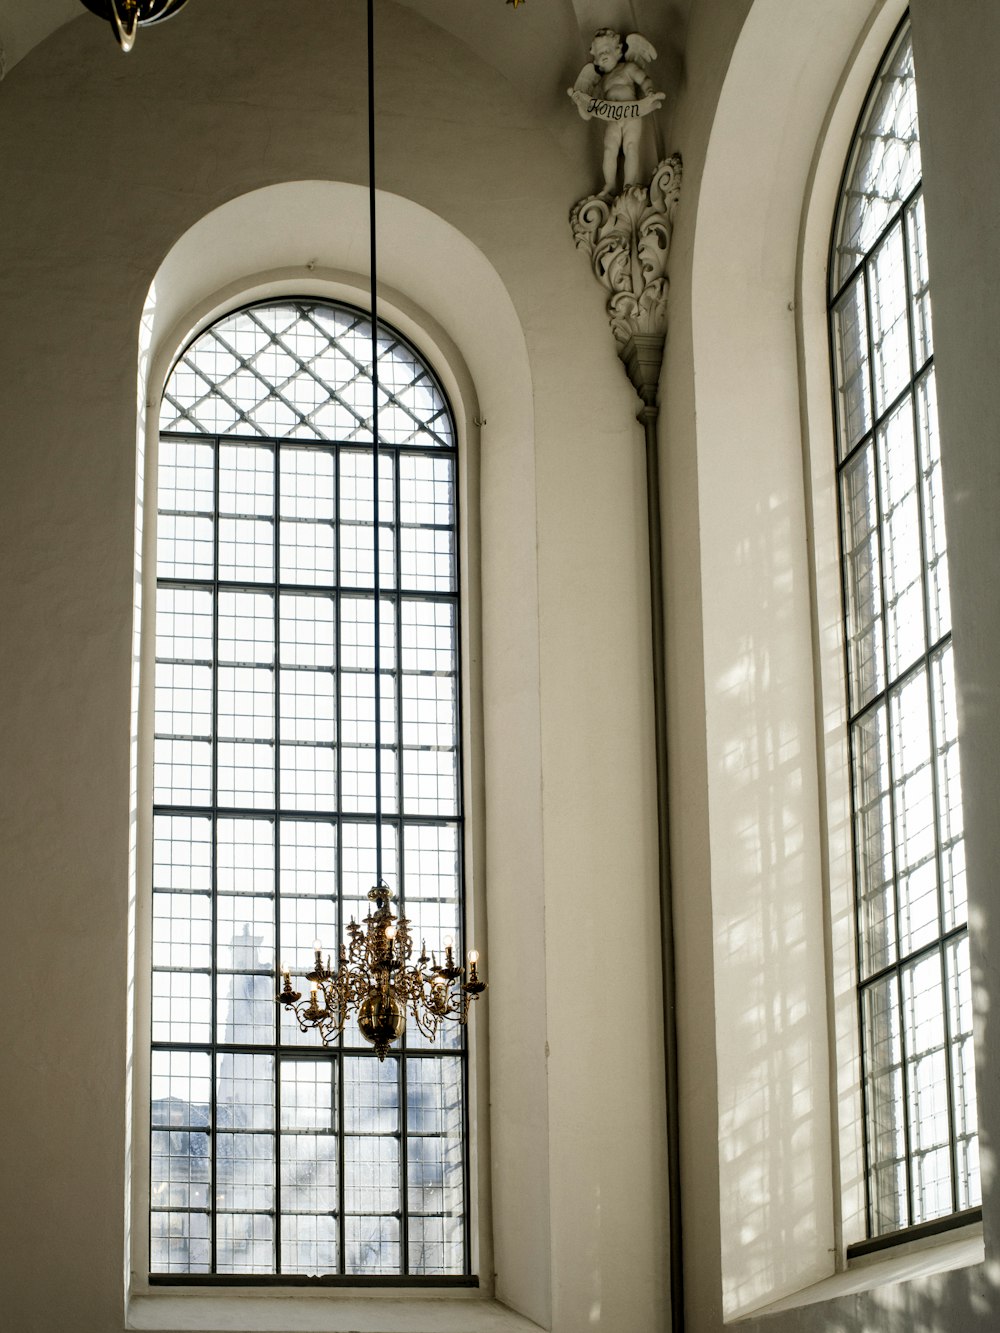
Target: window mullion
column 214, row 957
column 339, row 801
column 276, row 824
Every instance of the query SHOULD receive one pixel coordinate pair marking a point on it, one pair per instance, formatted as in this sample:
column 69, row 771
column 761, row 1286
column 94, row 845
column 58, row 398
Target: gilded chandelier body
column 376, row 980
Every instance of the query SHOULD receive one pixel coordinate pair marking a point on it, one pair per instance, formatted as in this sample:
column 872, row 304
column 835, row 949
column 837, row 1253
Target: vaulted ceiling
column 538, row 46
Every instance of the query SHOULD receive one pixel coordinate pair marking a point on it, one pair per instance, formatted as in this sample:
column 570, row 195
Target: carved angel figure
column 616, row 88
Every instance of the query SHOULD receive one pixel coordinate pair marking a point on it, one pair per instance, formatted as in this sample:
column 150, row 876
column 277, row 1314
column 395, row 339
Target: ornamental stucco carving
column 615, row 87
column 628, row 239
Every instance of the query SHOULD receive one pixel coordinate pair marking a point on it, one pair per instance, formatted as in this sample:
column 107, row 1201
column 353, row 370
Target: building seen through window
column 914, row 987
column 276, row 805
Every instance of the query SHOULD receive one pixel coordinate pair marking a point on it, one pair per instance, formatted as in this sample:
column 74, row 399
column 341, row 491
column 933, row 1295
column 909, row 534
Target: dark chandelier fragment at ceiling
column 127, row 16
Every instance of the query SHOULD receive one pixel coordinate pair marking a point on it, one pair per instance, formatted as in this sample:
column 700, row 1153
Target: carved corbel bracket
column 628, row 239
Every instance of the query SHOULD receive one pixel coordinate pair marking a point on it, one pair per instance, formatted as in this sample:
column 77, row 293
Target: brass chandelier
column 376, row 979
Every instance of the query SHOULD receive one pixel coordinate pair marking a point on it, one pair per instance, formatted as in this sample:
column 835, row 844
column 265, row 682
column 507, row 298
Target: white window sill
column 904, row 1263
column 323, row 1312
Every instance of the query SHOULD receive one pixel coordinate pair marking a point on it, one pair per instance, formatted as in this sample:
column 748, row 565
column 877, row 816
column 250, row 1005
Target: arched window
column 914, row 990
column 276, row 806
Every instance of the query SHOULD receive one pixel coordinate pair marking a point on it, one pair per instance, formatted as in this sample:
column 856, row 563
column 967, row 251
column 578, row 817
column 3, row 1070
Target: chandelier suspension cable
column 374, row 975
column 376, row 535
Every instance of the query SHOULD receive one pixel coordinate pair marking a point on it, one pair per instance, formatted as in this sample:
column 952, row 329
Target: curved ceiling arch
column 538, row 47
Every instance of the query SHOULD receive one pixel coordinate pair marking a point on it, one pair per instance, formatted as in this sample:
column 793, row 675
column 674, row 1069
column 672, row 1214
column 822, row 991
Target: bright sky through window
column 914, row 994
column 270, row 1155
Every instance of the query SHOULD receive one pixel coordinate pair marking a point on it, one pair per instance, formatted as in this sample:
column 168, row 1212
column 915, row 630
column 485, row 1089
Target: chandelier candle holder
column 376, row 980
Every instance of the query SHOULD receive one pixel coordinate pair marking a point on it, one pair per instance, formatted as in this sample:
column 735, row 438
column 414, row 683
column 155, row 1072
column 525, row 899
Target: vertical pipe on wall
column 642, row 356
column 648, row 416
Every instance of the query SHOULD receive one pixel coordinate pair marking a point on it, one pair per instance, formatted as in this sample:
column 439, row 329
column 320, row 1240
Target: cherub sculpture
column 616, row 88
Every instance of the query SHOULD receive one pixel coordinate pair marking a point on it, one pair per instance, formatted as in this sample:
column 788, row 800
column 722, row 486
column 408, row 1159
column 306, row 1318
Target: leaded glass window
column 914, row 992
column 271, row 1155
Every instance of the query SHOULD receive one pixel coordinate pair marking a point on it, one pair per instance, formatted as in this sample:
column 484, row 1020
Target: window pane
column 435, row 1165
column 186, row 481
column 309, row 1157
column 935, row 543
column 863, row 578
column 927, row 1083
column 184, row 547
column 298, row 371
column 923, row 338
column 297, row 726
column 921, row 1147
column 246, row 480
column 963, row 1072
column 307, row 484
column 854, row 408
column 307, row 552
column 884, row 1095
column 951, row 836
column 246, row 628
column 890, row 328
column 246, row 703
column 182, row 853
column 903, row 562
column 873, row 836
column 183, row 700
column 184, row 618
column 913, row 801
column 884, row 163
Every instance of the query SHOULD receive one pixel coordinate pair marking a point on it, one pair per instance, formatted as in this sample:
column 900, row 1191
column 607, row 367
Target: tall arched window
column 272, row 1156
column 914, row 991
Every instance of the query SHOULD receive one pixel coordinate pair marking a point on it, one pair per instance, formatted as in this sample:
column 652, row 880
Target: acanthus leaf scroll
column 628, row 239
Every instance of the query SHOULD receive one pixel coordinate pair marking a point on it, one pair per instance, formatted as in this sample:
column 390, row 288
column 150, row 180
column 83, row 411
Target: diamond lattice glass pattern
column 884, row 166
column 271, row 1155
column 913, row 958
column 298, row 370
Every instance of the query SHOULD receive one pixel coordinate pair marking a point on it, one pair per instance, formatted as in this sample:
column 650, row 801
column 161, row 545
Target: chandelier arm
column 426, row 1022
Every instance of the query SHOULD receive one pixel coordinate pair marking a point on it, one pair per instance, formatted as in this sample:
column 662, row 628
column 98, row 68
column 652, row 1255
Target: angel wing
column 640, row 50
column 587, row 80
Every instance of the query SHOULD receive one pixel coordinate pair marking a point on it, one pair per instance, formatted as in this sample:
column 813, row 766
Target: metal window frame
column 337, row 816
column 881, row 698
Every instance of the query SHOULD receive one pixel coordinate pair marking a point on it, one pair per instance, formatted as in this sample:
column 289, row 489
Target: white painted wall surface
column 768, row 1114
column 236, row 97
column 107, row 167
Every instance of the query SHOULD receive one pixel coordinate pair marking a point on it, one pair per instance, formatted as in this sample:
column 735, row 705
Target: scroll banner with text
column 623, row 110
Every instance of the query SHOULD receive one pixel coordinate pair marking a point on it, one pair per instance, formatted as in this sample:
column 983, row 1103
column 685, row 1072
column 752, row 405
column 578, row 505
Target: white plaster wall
column 242, row 94
column 755, row 850
column 106, row 162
